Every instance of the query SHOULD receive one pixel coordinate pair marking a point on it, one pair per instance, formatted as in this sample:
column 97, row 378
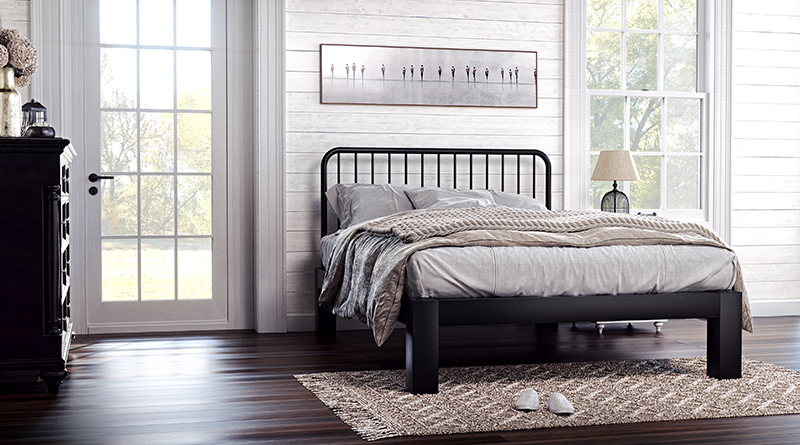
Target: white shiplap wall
column 766, row 151
column 15, row 14
column 312, row 128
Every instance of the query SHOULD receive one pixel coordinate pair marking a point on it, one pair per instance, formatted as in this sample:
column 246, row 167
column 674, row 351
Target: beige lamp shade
column 615, row 165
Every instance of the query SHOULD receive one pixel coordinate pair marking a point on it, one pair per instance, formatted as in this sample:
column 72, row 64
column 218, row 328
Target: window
column 644, row 95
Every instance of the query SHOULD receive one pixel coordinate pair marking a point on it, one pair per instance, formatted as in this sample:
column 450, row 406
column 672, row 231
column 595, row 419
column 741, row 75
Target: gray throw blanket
column 366, row 274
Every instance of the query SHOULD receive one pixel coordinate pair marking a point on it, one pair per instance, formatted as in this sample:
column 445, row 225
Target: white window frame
column 715, row 24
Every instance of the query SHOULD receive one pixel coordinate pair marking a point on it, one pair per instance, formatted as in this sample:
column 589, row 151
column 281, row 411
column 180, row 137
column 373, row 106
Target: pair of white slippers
column 556, row 403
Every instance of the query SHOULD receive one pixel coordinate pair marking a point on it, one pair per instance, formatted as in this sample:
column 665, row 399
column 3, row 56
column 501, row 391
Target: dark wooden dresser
column 35, row 321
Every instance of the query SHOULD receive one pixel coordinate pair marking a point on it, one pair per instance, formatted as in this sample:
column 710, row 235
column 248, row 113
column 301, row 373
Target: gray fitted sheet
column 477, row 271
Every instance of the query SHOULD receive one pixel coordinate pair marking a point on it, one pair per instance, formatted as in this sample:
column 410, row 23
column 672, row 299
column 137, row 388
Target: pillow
column 356, row 203
column 439, row 198
column 517, row 201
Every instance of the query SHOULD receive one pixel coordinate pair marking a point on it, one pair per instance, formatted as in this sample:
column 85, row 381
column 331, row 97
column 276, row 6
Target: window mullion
column 623, row 75
column 660, row 57
column 664, row 151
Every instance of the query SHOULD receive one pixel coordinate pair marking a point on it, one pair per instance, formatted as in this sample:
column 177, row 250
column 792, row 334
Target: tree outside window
column 642, row 82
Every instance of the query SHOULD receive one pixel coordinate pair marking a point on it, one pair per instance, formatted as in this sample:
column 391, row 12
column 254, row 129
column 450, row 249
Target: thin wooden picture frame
column 416, row 76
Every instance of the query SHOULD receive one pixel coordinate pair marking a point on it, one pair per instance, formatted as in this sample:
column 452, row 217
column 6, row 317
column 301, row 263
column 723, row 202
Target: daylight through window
column 642, row 83
column 156, row 141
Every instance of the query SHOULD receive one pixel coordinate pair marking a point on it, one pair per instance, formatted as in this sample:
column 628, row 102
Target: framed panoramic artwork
column 392, row 75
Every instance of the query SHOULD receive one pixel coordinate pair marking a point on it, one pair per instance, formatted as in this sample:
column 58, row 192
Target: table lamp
column 615, row 165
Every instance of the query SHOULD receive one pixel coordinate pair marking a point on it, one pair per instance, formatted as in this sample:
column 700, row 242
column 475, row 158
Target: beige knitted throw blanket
column 366, row 273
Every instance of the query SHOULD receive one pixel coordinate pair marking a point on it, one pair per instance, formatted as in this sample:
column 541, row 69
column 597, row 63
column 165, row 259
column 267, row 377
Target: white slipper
column 558, row 404
column 528, row 401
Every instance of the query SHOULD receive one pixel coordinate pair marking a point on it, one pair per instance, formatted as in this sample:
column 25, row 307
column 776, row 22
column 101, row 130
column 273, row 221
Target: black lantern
column 34, row 121
column 615, row 165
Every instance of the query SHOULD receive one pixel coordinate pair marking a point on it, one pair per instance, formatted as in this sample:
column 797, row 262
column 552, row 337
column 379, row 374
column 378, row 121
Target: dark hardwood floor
column 237, row 387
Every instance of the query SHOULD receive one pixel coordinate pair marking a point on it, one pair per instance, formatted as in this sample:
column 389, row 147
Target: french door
column 156, row 206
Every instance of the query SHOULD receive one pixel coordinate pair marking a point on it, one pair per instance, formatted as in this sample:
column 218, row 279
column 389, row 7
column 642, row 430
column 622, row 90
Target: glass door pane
column 156, row 122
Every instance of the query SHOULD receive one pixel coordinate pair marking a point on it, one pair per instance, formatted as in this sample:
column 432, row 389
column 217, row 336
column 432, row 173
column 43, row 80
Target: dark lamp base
column 615, row 201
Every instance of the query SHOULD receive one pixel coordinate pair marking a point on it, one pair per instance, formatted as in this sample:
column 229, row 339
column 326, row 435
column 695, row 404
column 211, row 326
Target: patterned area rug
column 480, row 399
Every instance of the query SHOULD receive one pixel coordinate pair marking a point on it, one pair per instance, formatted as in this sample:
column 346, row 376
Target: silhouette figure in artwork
column 362, row 72
column 421, row 71
column 510, row 77
column 502, row 75
column 516, row 74
column 383, row 71
column 487, row 73
column 354, row 71
column 331, row 70
column 412, row 72
column 473, row 74
column 453, row 72
column 467, row 73
column 347, row 70
column 404, row 74
column 440, row 72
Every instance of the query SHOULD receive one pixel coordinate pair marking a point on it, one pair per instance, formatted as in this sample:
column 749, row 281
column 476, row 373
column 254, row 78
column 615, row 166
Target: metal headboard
column 445, row 157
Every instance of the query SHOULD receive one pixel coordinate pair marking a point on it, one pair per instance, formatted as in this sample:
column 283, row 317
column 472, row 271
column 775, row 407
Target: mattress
column 477, row 271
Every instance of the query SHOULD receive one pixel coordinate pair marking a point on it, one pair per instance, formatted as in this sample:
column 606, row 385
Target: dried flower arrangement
column 17, row 52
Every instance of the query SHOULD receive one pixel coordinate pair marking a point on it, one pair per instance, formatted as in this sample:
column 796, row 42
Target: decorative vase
column 10, row 105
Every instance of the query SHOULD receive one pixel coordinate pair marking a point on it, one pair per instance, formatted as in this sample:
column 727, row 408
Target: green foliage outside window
column 122, row 152
column 162, row 163
column 645, row 103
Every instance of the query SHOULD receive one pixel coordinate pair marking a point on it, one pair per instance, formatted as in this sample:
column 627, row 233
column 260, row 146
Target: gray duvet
column 510, row 271
column 369, row 262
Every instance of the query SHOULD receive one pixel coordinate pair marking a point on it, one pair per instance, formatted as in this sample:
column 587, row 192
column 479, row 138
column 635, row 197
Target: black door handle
column 94, row 177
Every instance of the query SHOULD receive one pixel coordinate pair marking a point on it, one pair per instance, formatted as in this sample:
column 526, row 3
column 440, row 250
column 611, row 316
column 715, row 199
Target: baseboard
column 775, row 308
column 305, row 323
column 129, row 328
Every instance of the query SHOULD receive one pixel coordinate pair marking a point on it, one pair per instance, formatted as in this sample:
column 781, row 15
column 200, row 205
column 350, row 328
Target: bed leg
column 725, row 338
column 422, row 346
column 325, row 323
column 324, row 320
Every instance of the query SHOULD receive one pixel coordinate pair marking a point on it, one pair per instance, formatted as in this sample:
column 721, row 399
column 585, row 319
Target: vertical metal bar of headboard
column 470, row 171
column 389, row 167
column 455, row 171
column 519, row 174
column 502, row 173
column 534, row 177
column 372, row 168
column 548, row 174
column 422, row 170
column 355, row 164
column 438, row 170
column 487, row 171
column 338, row 168
column 405, row 168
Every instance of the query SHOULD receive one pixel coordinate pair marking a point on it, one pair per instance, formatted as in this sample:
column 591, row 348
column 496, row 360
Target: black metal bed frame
column 424, row 316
